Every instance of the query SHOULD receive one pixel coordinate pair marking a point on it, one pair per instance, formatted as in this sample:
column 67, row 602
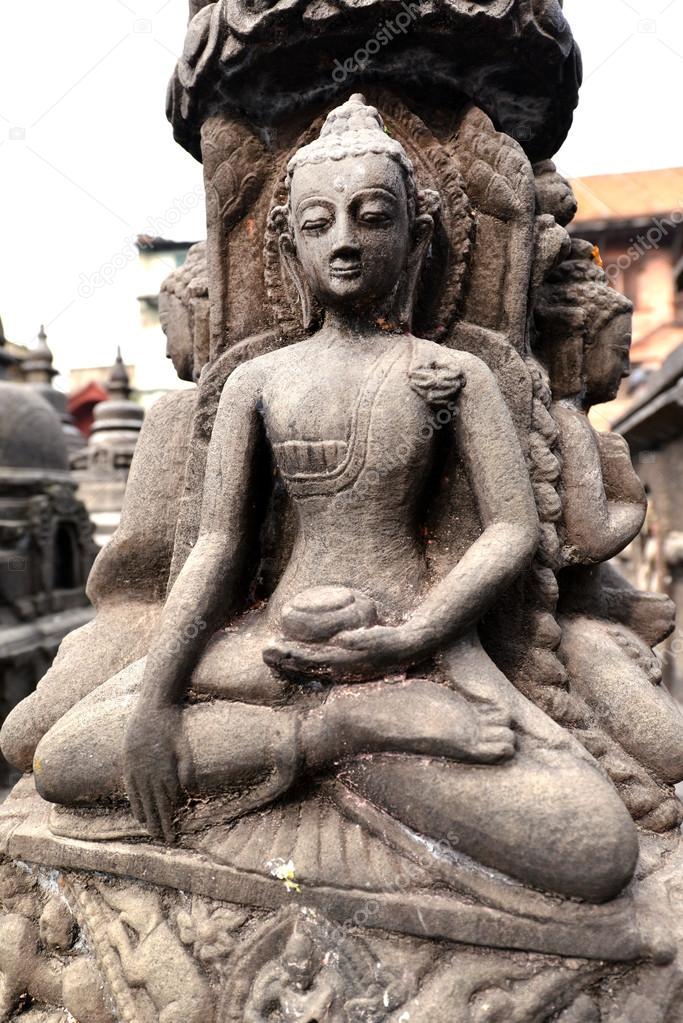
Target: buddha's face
column 606, row 360
column 175, row 323
column 351, row 229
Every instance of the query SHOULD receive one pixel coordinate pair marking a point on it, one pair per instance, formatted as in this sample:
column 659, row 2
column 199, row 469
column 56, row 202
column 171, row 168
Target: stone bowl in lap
column 319, row 614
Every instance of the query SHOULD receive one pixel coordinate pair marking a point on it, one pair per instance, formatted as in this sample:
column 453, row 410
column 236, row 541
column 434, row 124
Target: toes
column 491, row 753
column 500, row 734
column 498, row 744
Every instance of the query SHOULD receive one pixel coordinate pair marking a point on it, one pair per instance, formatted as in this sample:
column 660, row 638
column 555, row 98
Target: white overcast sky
column 87, row 156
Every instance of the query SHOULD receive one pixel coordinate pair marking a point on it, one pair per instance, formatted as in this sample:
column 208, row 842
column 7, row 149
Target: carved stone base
column 89, row 932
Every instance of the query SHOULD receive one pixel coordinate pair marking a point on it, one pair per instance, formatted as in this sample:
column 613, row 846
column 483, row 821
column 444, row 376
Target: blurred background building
column 149, row 374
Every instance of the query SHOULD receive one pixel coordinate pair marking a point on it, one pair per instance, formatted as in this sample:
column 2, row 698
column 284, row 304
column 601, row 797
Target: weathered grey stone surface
column 363, row 729
column 516, row 59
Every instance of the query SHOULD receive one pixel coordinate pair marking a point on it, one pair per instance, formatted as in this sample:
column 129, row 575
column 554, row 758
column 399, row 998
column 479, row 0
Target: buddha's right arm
column 206, row 589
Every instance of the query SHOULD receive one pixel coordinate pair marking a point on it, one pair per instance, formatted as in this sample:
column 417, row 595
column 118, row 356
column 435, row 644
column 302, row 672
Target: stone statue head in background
column 355, row 232
column 583, row 329
column 184, row 314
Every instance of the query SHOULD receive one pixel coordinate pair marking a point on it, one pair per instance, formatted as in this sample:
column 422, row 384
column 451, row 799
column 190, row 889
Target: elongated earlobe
column 423, row 231
column 293, row 267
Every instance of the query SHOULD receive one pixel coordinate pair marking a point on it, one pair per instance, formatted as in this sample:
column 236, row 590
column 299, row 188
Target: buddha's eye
column 375, row 217
column 315, row 220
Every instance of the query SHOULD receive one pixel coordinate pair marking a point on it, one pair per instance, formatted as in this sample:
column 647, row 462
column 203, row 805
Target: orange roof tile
column 628, row 196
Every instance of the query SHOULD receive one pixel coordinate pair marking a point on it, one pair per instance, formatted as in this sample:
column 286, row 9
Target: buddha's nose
column 344, row 256
column 346, row 242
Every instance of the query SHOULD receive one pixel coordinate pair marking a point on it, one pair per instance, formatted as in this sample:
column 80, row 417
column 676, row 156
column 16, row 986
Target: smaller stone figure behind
column 583, row 335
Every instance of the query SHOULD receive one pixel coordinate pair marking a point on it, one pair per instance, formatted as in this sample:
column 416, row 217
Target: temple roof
column 655, row 416
column 516, row 59
column 623, row 198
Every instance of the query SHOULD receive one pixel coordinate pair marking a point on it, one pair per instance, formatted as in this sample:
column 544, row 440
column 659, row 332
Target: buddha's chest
column 328, row 425
column 313, row 406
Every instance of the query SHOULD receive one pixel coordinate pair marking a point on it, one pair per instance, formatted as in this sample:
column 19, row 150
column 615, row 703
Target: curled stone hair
column 356, row 129
column 353, row 129
column 578, row 293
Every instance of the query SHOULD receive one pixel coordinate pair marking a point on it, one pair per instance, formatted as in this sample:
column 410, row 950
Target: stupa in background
column 39, row 372
column 101, row 469
column 46, row 548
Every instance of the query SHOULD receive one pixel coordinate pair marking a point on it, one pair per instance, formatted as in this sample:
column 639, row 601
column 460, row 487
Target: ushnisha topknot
column 356, row 129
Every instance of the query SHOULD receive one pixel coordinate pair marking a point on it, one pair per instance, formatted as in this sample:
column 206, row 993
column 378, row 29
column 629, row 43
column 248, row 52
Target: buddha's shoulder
column 438, row 357
column 254, row 371
column 281, row 357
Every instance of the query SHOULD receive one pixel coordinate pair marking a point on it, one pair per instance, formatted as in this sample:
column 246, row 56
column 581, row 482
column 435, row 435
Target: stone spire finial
column 38, row 371
column 6, row 360
column 102, row 468
column 38, row 366
column 118, row 382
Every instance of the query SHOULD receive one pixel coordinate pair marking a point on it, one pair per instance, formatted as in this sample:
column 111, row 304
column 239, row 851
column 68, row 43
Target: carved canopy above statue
column 515, row 58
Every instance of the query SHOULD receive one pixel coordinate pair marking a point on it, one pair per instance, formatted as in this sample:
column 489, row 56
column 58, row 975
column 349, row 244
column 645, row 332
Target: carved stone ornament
column 365, row 728
column 515, row 58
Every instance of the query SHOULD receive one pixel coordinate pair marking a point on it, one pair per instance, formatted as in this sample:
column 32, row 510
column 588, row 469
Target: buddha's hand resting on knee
column 154, row 763
column 356, row 654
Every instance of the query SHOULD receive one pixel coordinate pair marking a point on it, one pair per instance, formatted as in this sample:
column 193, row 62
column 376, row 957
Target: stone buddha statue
column 363, row 664
column 583, row 329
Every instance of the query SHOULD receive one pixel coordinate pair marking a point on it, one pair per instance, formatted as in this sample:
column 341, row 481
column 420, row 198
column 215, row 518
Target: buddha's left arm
column 487, row 441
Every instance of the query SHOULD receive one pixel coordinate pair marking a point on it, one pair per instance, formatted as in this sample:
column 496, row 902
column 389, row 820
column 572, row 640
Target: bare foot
column 418, row 717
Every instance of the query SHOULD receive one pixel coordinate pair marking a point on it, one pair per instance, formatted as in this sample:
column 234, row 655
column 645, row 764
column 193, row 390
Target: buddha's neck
column 356, row 328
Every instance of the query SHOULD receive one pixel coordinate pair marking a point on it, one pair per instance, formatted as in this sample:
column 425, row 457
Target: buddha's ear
column 291, row 263
column 423, row 231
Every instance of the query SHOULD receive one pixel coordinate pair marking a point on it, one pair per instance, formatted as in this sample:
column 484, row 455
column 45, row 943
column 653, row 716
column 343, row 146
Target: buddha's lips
column 345, row 269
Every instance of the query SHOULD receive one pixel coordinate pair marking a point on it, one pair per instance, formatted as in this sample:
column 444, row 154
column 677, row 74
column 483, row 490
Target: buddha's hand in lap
column 352, row 655
column 154, row 762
